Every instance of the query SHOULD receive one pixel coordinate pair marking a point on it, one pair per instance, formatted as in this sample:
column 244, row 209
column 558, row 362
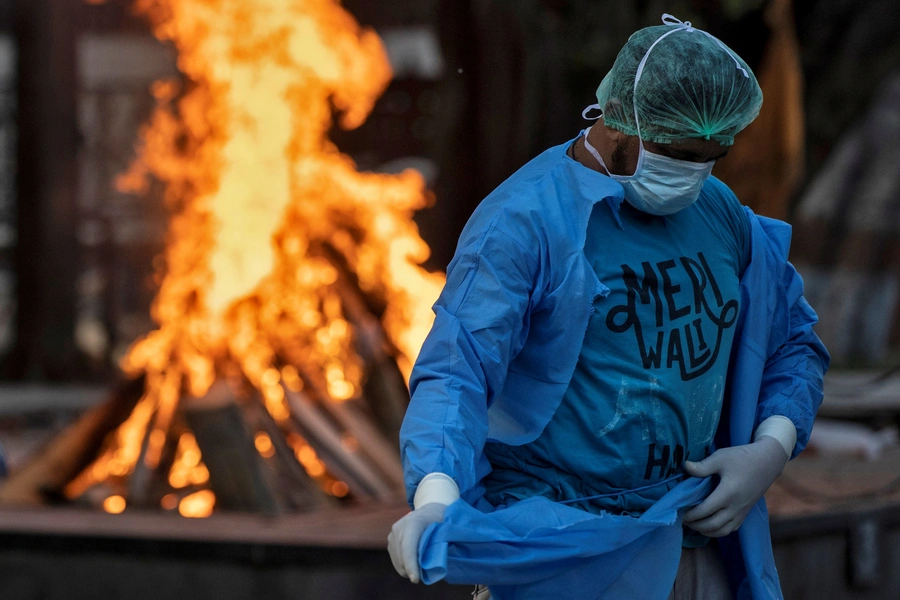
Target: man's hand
column 403, row 541
column 745, row 473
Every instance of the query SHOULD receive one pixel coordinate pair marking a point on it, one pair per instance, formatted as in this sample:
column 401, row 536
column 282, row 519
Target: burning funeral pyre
column 291, row 304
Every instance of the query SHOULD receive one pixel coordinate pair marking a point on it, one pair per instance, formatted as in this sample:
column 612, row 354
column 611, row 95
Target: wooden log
column 141, row 479
column 354, row 418
column 71, row 451
column 384, row 454
column 236, row 471
column 325, row 438
column 386, row 395
column 147, row 486
column 384, row 388
column 298, row 490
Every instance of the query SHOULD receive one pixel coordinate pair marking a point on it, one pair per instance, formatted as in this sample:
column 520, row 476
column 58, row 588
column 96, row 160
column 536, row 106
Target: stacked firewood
column 326, row 453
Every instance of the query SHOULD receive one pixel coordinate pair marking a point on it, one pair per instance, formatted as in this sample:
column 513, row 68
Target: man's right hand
column 403, row 541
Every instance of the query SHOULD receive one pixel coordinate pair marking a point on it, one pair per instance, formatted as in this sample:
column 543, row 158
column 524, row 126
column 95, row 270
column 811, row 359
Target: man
column 614, row 320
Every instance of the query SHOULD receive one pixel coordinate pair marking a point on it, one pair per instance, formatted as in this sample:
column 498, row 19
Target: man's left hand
column 745, row 473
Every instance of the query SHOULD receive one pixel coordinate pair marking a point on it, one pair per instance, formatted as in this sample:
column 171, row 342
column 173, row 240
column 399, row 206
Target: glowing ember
column 198, row 505
column 260, row 199
column 339, row 489
column 114, row 505
column 264, row 444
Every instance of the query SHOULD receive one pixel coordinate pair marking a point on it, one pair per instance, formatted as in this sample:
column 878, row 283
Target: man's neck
column 580, row 154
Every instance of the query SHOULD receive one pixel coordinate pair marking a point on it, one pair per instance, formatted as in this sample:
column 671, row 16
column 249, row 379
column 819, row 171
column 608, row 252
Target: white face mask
column 660, row 185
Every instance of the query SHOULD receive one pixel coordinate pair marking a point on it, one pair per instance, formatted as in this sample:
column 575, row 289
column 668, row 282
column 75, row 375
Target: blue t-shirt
column 648, row 387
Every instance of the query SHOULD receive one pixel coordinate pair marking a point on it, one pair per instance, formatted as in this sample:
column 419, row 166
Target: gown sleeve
column 481, row 322
column 794, row 370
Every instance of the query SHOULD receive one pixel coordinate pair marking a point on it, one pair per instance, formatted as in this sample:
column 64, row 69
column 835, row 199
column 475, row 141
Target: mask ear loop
column 584, row 113
column 585, row 132
column 593, row 151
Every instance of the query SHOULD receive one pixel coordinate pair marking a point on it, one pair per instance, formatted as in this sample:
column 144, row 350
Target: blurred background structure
column 479, row 87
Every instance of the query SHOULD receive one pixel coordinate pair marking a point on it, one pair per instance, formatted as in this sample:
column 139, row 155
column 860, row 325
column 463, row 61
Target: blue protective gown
column 506, row 338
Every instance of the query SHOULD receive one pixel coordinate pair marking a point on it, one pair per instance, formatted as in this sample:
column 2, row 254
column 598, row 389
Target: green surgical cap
column 691, row 86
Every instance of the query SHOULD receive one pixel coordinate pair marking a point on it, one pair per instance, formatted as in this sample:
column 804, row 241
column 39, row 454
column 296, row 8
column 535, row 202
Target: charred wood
column 326, row 439
column 236, row 471
column 298, row 490
column 384, row 388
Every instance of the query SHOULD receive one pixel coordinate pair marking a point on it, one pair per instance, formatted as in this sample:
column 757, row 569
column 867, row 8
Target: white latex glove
column 403, row 541
column 745, row 473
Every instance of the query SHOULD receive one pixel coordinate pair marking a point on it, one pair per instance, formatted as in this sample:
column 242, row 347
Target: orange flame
column 259, row 197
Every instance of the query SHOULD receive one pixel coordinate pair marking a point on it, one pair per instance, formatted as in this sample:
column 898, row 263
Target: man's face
column 625, row 153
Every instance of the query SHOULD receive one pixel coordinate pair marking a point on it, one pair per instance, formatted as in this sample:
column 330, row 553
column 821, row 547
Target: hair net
column 682, row 83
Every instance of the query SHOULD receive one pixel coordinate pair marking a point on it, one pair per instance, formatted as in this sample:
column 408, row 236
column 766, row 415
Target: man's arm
column 792, row 380
column 480, row 325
